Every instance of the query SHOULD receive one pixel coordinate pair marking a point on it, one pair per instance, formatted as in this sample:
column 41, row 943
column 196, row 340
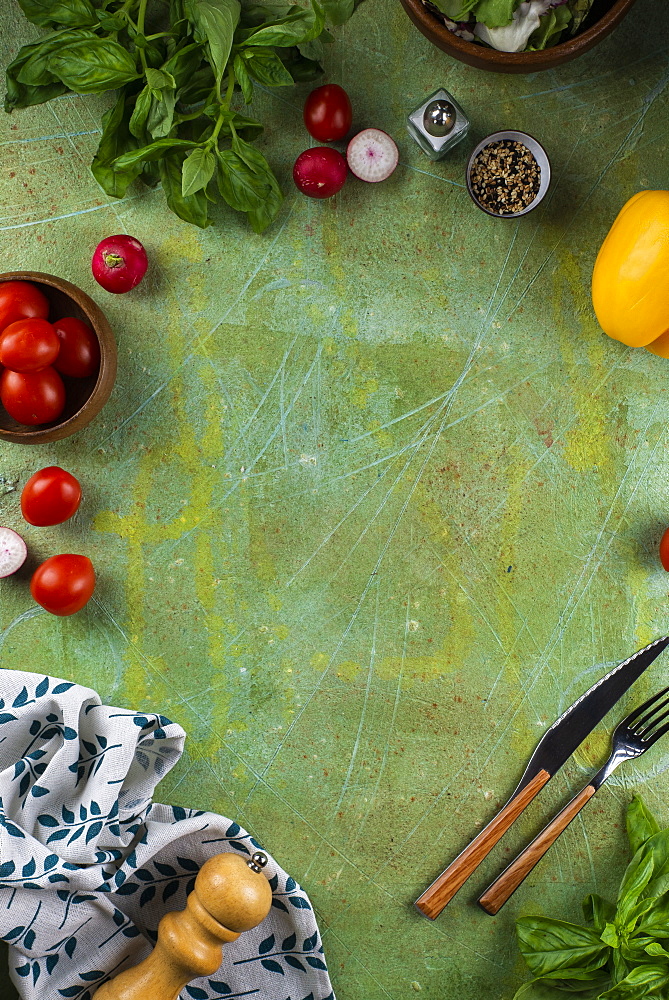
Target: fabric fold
column 89, row 864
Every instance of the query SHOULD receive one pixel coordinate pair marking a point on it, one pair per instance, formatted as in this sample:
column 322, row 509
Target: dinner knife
column 557, row 744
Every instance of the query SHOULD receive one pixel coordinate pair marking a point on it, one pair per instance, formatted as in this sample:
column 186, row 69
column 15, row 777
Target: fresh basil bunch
column 176, row 64
column 623, row 951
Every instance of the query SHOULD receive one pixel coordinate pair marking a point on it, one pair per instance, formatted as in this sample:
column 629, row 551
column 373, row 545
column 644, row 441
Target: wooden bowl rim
column 108, row 361
column 543, row 59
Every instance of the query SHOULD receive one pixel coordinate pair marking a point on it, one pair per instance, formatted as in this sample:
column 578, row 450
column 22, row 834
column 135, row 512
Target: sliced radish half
column 13, row 551
column 372, row 155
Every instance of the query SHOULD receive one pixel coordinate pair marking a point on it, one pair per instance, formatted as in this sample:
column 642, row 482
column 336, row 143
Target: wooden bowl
column 84, row 397
column 603, row 18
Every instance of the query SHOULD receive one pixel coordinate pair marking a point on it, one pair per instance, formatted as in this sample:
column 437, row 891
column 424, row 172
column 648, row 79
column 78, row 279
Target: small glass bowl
column 540, row 156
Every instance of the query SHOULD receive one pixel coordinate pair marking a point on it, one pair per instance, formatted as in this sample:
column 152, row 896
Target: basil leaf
column 116, row 139
column 140, row 113
column 21, row 95
column 265, row 66
column 598, row 911
column 191, row 209
column 633, row 884
column 154, row 151
column 610, row 936
column 655, row 923
column 243, row 78
column 238, row 184
column 656, row 949
column 35, row 69
column 631, row 916
column 110, row 22
column 70, row 13
column 246, row 128
column 214, row 22
column 550, row 945
column 338, row 11
column 92, row 65
column 266, row 12
column 641, row 824
column 158, row 79
column 293, row 30
column 161, row 114
column 183, row 63
column 301, row 69
column 197, row 170
column 640, row 982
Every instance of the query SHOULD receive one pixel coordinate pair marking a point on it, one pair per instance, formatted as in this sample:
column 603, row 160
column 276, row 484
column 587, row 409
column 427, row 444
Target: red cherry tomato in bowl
column 51, row 496
column 32, row 397
column 21, row 300
column 79, row 354
column 28, row 345
column 63, row 584
column 328, row 113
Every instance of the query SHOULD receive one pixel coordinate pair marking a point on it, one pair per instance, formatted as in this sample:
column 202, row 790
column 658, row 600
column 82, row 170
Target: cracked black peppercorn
column 505, row 177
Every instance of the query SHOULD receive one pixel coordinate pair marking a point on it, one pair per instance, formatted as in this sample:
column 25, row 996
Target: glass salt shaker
column 438, row 124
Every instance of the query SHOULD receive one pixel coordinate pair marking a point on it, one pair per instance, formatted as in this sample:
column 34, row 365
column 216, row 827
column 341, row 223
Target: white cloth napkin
column 89, row 865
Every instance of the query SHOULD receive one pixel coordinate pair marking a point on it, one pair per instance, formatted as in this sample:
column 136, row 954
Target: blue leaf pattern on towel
column 85, row 841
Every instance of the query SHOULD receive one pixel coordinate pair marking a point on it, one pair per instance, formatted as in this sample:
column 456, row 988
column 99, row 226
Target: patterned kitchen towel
column 89, row 864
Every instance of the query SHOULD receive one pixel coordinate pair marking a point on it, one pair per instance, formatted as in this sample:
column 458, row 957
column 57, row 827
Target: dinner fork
column 633, row 736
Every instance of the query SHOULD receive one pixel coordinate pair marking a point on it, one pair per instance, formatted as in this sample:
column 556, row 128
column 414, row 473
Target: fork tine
column 656, row 736
column 646, row 733
column 646, row 722
column 642, row 708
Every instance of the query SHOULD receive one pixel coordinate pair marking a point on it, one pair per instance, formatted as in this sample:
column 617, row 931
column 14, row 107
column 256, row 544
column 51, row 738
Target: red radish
column 13, row 552
column 320, row 172
column 372, row 155
column 119, row 263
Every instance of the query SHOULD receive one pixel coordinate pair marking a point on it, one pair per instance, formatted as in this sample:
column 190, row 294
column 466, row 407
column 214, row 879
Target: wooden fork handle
column 442, row 890
column 496, row 895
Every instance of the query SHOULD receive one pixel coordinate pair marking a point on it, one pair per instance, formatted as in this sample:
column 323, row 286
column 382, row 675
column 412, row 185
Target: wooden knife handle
column 496, row 895
column 442, row 890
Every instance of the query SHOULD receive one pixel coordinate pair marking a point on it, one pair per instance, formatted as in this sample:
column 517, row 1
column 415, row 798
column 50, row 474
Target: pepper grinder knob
column 231, row 896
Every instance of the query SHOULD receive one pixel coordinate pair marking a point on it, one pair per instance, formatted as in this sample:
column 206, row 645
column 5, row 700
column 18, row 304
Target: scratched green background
column 373, row 499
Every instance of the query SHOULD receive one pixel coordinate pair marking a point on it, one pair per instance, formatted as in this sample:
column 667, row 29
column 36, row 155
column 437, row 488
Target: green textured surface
column 373, row 499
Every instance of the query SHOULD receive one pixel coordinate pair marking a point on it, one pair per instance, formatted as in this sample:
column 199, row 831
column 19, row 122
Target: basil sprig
column 622, row 952
column 177, row 73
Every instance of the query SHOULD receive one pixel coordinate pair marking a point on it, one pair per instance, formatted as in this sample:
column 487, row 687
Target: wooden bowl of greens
column 517, row 37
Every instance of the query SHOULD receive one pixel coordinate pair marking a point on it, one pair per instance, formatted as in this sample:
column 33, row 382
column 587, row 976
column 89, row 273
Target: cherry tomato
column 328, row 113
column 63, row 584
column 79, row 348
column 51, row 496
column 21, row 300
column 32, row 397
column 664, row 550
column 28, row 345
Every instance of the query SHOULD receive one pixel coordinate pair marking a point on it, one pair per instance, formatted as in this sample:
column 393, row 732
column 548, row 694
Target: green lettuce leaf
column 551, row 26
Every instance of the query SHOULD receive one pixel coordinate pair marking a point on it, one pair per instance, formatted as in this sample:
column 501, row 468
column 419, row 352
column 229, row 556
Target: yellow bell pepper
column 630, row 281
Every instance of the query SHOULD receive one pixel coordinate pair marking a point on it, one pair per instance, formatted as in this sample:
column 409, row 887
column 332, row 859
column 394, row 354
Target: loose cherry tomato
column 63, row 584
column 79, row 348
column 51, row 496
column 664, row 550
column 32, row 397
column 328, row 113
column 21, row 300
column 28, row 345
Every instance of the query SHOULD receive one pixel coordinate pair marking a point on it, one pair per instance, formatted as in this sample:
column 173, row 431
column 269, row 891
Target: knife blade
column 556, row 745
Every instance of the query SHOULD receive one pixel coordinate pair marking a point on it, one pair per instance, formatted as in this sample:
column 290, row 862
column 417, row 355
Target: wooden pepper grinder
column 231, row 895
